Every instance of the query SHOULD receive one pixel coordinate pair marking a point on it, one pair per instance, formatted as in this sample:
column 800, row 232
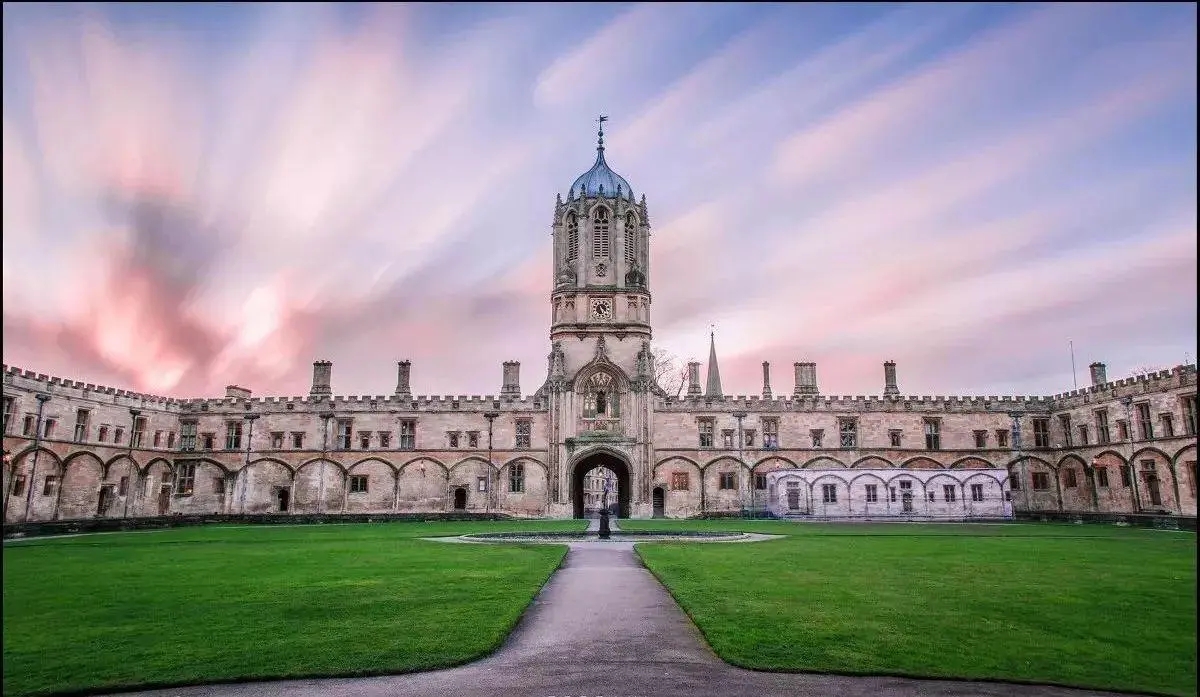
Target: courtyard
column 1071, row 605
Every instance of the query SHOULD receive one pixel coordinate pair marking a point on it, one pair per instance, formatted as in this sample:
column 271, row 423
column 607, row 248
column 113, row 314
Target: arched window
column 630, row 240
column 572, row 237
column 600, row 398
column 600, row 234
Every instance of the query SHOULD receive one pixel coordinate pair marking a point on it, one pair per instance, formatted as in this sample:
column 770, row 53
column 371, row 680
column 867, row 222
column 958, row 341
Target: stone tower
column 600, row 365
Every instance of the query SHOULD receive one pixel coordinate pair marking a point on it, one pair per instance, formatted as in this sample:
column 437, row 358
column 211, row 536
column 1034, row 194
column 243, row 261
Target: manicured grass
column 207, row 604
column 1084, row 605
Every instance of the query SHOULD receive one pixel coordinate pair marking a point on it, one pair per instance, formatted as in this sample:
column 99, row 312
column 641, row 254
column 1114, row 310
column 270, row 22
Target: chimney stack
column 766, row 380
column 806, row 379
column 1099, row 374
column 322, row 371
column 511, row 387
column 889, row 380
column 403, row 371
column 693, row 379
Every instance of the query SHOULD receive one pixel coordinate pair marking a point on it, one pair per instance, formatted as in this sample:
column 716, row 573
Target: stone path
column 604, row 627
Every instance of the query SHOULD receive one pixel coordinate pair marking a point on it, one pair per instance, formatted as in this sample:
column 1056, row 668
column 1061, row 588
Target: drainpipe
column 739, row 415
column 1015, row 431
column 1090, row 470
column 131, row 480
column 1127, row 402
column 324, row 456
column 37, row 441
column 250, row 419
column 487, row 506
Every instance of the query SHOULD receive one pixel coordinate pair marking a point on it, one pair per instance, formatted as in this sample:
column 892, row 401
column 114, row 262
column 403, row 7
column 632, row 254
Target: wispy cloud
column 186, row 208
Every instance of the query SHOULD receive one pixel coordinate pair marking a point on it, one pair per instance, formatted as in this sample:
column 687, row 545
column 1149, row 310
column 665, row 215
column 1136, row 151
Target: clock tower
column 600, row 380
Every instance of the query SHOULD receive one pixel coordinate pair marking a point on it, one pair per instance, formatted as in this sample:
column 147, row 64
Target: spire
column 714, row 373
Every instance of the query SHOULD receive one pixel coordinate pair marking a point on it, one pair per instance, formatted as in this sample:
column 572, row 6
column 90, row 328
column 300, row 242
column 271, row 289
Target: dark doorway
column 660, row 503
column 460, row 499
column 612, row 462
column 906, row 502
column 164, row 499
column 1152, row 489
column 106, row 495
column 282, row 495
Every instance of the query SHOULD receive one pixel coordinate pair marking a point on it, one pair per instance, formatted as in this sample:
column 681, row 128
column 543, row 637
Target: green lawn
column 206, row 604
column 1084, row 605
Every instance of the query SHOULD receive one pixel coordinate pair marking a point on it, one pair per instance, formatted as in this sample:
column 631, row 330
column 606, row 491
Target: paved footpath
column 604, row 627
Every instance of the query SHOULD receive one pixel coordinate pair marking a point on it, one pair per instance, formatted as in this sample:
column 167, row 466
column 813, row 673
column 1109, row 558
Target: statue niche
column 601, row 401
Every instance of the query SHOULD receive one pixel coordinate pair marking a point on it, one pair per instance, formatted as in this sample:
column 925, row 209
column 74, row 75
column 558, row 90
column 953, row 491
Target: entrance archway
column 460, row 499
column 591, row 462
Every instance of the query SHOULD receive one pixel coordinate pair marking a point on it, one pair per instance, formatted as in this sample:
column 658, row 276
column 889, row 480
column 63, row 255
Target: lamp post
column 37, row 441
column 487, row 495
column 739, row 415
column 1127, row 402
column 132, row 480
column 1016, row 443
column 250, row 419
column 1091, row 473
column 325, row 417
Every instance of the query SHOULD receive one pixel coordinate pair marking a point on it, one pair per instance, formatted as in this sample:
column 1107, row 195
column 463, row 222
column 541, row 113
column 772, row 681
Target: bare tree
column 1146, row 370
column 669, row 372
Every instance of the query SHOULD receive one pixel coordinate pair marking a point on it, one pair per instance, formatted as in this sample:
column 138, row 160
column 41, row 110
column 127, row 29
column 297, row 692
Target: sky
column 204, row 195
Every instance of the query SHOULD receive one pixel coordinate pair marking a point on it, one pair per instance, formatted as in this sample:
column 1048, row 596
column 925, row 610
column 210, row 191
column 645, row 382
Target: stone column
column 889, row 380
column 693, row 379
column 511, row 385
column 322, row 373
column 766, row 380
column 403, row 372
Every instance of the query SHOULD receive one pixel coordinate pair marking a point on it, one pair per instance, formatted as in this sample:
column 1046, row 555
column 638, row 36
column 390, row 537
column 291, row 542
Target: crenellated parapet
column 28, row 380
column 1148, row 383
column 856, row 403
column 367, row 404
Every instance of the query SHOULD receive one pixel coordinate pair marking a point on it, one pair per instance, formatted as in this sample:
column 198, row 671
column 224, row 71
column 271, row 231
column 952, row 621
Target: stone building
column 76, row 450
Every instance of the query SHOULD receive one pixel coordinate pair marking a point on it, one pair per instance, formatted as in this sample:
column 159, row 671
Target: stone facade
column 891, row 493
column 76, row 450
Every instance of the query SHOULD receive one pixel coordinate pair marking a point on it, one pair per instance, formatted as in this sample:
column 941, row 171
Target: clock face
column 601, row 308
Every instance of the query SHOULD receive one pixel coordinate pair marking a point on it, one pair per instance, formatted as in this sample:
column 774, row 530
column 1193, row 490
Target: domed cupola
column 600, row 180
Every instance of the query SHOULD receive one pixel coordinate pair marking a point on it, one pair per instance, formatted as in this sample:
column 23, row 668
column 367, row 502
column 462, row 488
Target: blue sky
column 198, row 195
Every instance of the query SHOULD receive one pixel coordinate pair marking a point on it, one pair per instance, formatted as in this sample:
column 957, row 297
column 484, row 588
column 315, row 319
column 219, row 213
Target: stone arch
column 420, row 460
column 722, row 458
column 473, row 459
column 532, row 499
column 84, row 455
column 1156, row 486
column 421, row 485
column 317, row 489
column 367, row 460
column 819, row 461
column 1180, row 454
column 291, row 471
column 130, row 468
column 781, row 461
column 602, row 456
column 866, row 475
column 921, row 462
column 1152, row 449
column 318, row 461
column 259, row 486
column 80, row 488
column 381, row 485
column 21, row 458
column 669, row 460
column 971, row 462
column 872, row 462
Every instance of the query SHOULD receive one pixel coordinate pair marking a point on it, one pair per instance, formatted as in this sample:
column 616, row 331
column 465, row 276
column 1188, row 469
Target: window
column 630, row 240
column 452, row 439
column 818, row 437
column 1070, row 479
column 980, row 439
column 872, row 493
column 1041, row 433
column 572, row 237
column 1125, row 477
column 218, row 485
column 1144, row 424
column 679, row 481
column 600, row 233
column 933, row 434
column 727, row 438
column 931, row 495
column 894, row 437
column 892, row 493
column 472, row 439
column 102, row 436
column 1103, row 436
column 18, row 485
column 748, row 437
column 906, row 484
column 50, row 486
column 770, row 428
column 848, row 433
column 170, row 439
column 408, row 434
column 344, row 428
column 207, row 439
column 81, row 425
column 829, row 493
column 1041, row 480
column 139, row 432
column 123, row 486
column 297, row 439
column 1102, row 477
column 277, row 440
column 186, row 436
column 948, row 493
column 1083, row 434
column 976, row 492
column 233, row 435
column 157, row 439
column 1064, row 422
column 1014, row 482
column 524, row 427
column 760, row 482
column 185, row 478
column 1168, row 425
column 28, row 425
column 1189, row 415
column 1122, row 429
column 516, row 478
column 9, row 405
column 364, row 440
column 706, row 432
column 728, row 481
column 1001, row 438
column 48, row 431
column 358, row 484
column 481, row 483
column 385, row 439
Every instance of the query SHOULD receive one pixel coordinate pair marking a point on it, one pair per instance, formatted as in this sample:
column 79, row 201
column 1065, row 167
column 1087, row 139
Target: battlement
column 366, row 403
column 1179, row 376
column 87, row 390
column 924, row 403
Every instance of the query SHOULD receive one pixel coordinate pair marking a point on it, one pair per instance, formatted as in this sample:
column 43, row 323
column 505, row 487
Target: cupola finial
column 600, row 143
